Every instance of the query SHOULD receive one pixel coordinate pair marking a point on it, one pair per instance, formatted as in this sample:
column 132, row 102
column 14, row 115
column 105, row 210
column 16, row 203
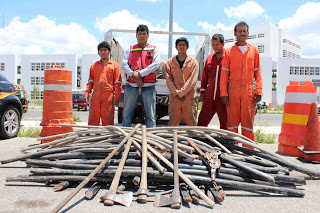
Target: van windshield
column 77, row 96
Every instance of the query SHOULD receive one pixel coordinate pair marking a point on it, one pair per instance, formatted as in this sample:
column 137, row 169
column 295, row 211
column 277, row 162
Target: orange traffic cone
column 312, row 141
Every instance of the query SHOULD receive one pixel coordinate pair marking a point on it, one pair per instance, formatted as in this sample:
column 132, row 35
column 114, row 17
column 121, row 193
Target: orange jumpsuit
column 182, row 81
column 237, row 75
column 105, row 80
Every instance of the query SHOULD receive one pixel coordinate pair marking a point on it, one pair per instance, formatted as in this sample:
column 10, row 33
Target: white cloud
column 305, row 24
column 247, row 10
column 305, row 19
column 125, row 20
column 41, row 35
column 212, row 28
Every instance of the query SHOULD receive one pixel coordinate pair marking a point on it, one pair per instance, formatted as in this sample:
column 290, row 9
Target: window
column 252, row 36
column 301, row 70
column 288, row 54
column 312, row 71
column 291, row 70
column 286, row 41
column 2, row 66
column 19, row 70
column 229, row 40
column 37, row 80
column 45, row 65
column 34, row 97
column 285, row 53
column 261, row 48
column 78, row 76
column 294, row 70
column 260, row 35
column 274, row 73
column 18, row 81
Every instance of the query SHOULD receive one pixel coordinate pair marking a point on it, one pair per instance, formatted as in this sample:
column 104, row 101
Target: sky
column 77, row 26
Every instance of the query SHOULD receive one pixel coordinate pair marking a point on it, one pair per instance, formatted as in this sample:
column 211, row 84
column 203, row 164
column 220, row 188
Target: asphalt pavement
column 37, row 197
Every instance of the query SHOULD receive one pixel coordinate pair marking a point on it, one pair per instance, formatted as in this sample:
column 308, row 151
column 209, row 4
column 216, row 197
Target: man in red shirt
column 210, row 86
column 105, row 80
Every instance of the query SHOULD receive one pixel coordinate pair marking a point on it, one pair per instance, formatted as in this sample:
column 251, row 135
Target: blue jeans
column 148, row 99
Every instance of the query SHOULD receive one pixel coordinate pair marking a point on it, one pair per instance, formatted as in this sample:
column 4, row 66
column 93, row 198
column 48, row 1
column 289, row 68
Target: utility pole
column 170, row 29
column 2, row 30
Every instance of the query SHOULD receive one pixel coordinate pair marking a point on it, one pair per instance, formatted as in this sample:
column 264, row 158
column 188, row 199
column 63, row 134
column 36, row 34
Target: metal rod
column 86, row 180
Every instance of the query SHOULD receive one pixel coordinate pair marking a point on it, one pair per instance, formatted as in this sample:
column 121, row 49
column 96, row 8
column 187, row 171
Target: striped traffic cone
column 312, row 141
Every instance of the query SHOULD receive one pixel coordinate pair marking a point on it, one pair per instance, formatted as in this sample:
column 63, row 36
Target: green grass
column 29, row 132
column 279, row 107
column 262, row 111
column 260, row 137
column 76, row 118
column 36, row 102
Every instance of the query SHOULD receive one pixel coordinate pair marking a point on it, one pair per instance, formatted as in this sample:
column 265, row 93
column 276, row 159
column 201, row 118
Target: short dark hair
column 104, row 44
column 182, row 39
column 218, row 36
column 142, row 27
column 241, row 23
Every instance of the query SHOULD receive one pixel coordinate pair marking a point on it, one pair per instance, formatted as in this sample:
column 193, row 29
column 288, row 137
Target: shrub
column 29, row 132
column 263, row 138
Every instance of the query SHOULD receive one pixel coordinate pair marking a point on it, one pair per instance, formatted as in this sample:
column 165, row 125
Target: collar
column 188, row 58
column 144, row 45
column 109, row 62
column 214, row 55
column 248, row 45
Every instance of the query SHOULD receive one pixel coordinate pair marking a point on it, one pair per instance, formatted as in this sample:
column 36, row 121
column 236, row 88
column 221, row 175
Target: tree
column 36, row 92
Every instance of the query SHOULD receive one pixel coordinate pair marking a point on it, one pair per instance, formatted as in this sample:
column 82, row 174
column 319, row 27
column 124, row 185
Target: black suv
column 13, row 104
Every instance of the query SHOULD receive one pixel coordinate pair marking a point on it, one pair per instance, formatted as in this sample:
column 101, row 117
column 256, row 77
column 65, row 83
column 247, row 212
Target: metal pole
column 170, row 29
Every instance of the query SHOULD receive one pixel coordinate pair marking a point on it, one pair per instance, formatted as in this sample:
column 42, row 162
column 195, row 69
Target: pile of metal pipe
column 95, row 154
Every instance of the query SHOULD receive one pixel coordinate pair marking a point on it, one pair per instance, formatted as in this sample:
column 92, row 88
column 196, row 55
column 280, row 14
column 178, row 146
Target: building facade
column 8, row 67
column 87, row 61
column 33, row 67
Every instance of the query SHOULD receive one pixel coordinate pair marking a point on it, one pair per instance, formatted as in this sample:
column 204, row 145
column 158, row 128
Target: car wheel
column 10, row 123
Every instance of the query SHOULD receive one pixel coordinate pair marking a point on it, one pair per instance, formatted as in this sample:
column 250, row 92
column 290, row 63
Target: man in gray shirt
column 140, row 63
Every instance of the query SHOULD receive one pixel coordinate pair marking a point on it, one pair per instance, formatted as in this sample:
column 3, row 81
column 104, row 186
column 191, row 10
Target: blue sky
column 69, row 26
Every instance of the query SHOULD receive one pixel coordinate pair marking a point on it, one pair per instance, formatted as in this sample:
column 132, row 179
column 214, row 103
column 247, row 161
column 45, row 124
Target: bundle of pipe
column 98, row 152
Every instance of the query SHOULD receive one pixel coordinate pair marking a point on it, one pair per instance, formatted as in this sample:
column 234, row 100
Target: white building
column 33, row 66
column 87, row 61
column 296, row 69
column 8, row 67
column 279, row 52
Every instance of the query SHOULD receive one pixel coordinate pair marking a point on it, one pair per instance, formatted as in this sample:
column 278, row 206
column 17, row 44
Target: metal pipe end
column 142, row 198
column 108, row 202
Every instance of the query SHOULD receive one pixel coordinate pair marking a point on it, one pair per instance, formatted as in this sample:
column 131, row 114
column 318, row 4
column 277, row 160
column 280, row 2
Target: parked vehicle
column 13, row 105
column 262, row 105
column 318, row 107
column 162, row 96
column 78, row 102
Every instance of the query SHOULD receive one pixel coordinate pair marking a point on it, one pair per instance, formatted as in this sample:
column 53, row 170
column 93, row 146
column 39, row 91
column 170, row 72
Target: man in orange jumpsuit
column 210, row 86
column 181, row 75
column 105, row 80
column 240, row 67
